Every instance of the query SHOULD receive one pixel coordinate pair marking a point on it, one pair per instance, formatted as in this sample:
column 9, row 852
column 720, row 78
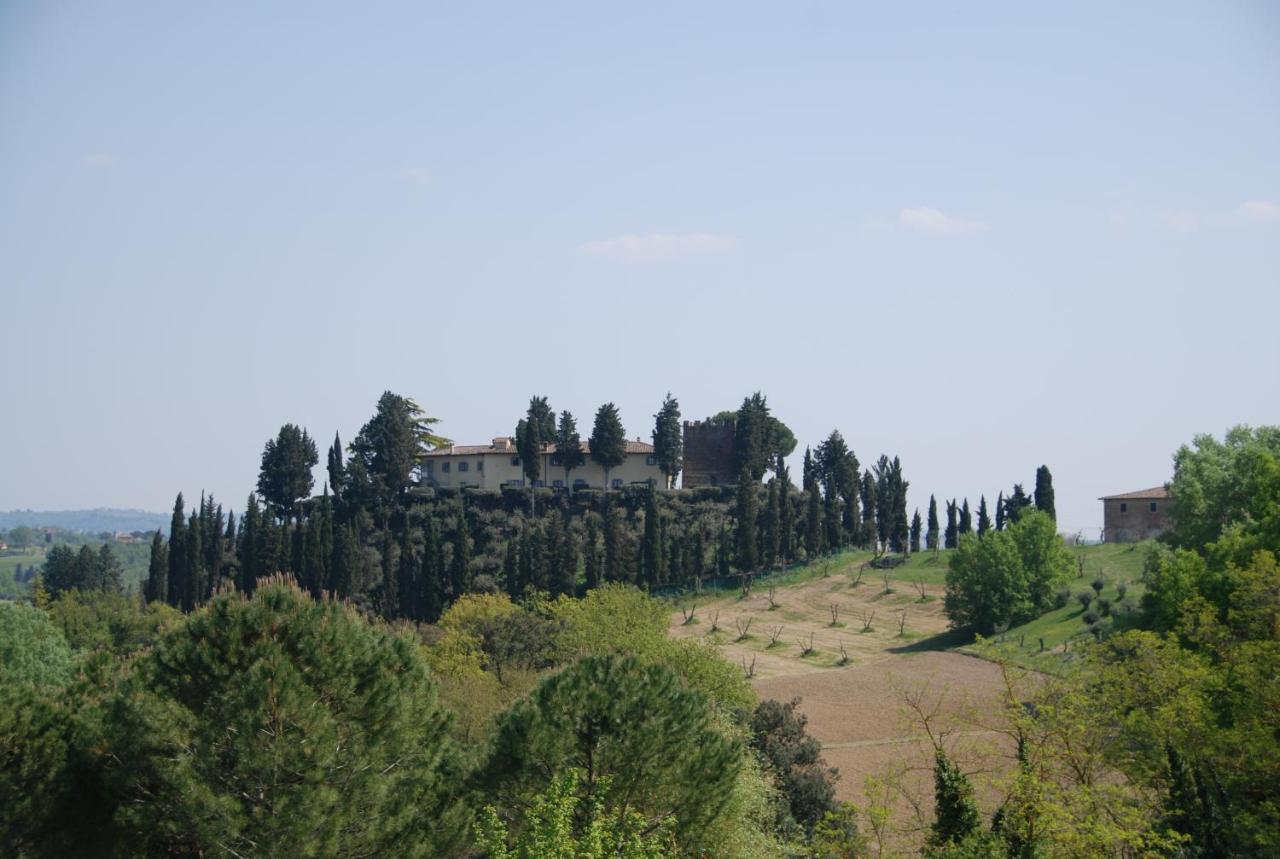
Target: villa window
column 479, row 465
column 650, row 460
column 464, row 466
column 556, row 460
column 616, row 483
column 444, row 466
column 1124, row 508
column 1153, row 506
column 515, row 460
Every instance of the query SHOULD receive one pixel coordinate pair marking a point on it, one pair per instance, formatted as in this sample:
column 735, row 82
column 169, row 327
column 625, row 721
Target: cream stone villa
column 490, row 466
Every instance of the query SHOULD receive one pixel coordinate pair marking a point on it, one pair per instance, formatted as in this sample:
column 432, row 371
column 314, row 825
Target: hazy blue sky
column 979, row 236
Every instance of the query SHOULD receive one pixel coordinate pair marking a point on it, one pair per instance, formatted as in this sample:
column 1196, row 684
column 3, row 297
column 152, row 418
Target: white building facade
column 498, row 464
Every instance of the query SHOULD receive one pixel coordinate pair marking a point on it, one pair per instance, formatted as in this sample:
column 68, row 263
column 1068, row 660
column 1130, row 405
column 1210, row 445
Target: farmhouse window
column 464, row 466
column 479, row 465
column 444, row 466
column 650, row 460
column 1124, row 508
column 515, row 460
column 1153, row 506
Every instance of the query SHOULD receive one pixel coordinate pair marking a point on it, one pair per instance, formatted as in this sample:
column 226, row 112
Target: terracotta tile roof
column 636, row 446
column 1153, row 493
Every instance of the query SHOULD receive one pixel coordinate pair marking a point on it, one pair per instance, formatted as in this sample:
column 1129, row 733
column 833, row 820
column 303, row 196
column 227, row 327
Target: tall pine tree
column 668, row 441
column 1044, row 492
column 931, row 536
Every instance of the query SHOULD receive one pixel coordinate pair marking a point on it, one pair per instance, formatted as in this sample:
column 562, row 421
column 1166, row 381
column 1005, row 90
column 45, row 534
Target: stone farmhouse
column 1134, row 516
column 497, row 464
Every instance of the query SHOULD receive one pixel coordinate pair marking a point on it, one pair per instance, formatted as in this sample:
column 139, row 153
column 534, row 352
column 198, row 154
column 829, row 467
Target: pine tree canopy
column 608, row 438
column 285, row 475
column 668, row 439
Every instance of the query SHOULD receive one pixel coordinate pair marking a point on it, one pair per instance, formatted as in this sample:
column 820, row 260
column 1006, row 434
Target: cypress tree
column 511, row 565
column 955, row 811
column 813, row 524
column 194, row 576
column 772, row 527
column 831, row 515
column 869, row 529
column 563, row 578
column 1044, row 492
column 430, row 575
column 176, row 585
column 1000, row 512
column 809, row 476
column 410, row 567
column 250, row 543
column 336, row 470
column 460, row 572
column 110, row 573
column 966, row 519
column 651, row 555
column 915, row 531
column 949, row 537
column 568, row 446
column 747, row 513
column 156, row 589
column 677, row 550
column 786, row 513
column 724, row 553
column 931, row 536
column 324, row 574
column 898, row 527
column 591, row 552
column 608, row 440
column 1017, row 501
column 984, row 520
column 698, row 557
column 668, row 442
column 613, row 562
column 345, row 563
column 390, row 594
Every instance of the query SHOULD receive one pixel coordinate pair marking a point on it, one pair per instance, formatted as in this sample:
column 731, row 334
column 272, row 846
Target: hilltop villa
column 1134, row 516
column 490, row 466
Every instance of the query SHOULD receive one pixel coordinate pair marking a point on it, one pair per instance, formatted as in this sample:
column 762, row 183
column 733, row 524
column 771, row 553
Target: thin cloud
column 936, row 222
column 98, row 160
column 659, row 247
column 1260, row 210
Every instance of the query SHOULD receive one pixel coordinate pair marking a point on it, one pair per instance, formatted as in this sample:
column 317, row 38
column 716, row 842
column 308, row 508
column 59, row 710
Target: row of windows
column 1124, row 507
column 515, row 460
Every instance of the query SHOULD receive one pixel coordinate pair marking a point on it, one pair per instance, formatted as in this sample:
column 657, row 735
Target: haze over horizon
column 981, row 239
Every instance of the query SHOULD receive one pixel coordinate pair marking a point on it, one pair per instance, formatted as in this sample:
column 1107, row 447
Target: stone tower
column 708, row 454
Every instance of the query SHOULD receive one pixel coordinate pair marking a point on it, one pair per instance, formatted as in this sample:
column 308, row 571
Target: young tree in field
column 1044, row 492
column 668, row 440
column 285, row 475
column 953, row 528
column 608, row 440
column 915, row 531
column 569, row 446
column 956, row 817
column 747, row 512
column 984, row 519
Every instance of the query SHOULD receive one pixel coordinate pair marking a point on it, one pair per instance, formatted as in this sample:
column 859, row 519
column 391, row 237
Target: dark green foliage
column 1000, row 512
column 668, row 439
column 786, row 512
column 278, row 726
column 831, row 517
column 335, row 469
column 809, row 474
column 931, row 536
column 608, row 440
column 389, row 448
column 591, row 551
column 984, row 519
column 563, row 575
column 534, row 431
column 60, row 571
column 795, row 758
column 950, row 536
column 955, row 811
column 759, row 438
column 285, row 475
column 916, row 526
column 1017, row 502
column 652, row 552
column 836, row 469
column 965, row 523
column 1044, row 492
column 746, row 526
column 644, row 742
column 569, row 445
column 460, row 567
column 770, row 544
column 813, row 530
column 870, row 530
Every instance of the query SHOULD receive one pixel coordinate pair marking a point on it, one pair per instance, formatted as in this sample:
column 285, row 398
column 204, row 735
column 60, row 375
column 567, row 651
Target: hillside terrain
column 96, row 521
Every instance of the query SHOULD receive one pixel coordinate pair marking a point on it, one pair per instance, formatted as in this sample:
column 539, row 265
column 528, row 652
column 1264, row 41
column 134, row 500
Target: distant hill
column 88, row 521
